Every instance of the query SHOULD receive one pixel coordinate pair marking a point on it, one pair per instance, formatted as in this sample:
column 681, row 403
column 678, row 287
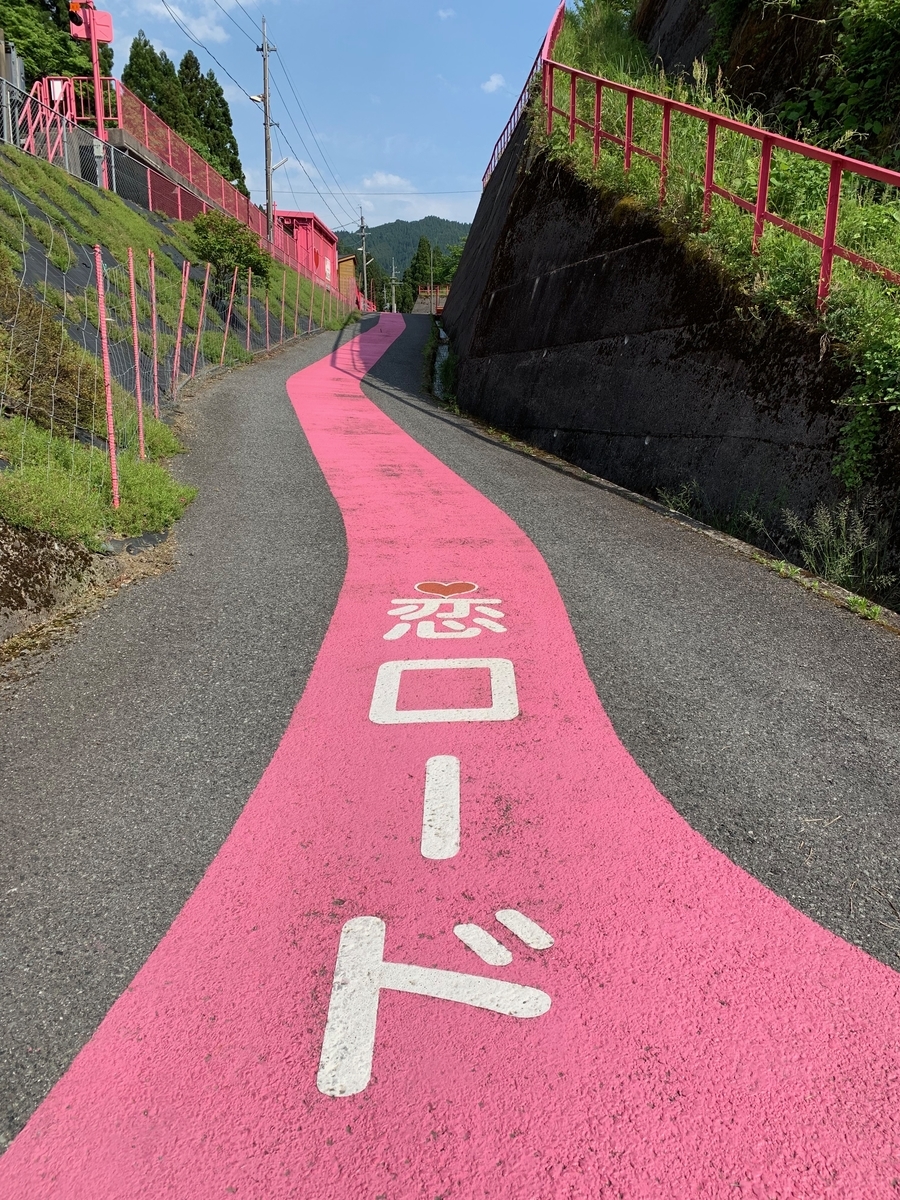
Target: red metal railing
column 60, row 103
column 840, row 166
column 522, row 103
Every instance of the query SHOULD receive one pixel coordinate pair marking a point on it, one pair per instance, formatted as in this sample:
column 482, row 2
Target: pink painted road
column 339, row 1011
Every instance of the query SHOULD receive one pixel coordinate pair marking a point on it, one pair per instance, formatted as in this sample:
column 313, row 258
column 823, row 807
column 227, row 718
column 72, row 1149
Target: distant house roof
column 290, row 217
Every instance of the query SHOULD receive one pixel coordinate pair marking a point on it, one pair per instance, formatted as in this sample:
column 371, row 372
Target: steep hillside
column 654, row 348
column 57, row 504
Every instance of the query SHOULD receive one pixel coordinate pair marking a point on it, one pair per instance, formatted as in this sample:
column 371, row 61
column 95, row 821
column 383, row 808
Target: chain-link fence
column 94, row 352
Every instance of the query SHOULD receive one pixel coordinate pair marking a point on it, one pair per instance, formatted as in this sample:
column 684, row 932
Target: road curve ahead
column 457, row 944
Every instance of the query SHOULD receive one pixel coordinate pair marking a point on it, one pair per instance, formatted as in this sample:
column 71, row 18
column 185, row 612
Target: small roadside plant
column 226, row 243
column 846, row 544
column 448, row 374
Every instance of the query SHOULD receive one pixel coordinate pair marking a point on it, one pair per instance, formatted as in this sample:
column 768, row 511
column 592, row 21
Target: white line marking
column 345, row 1065
column 524, row 928
column 440, row 816
column 504, row 698
column 487, row 948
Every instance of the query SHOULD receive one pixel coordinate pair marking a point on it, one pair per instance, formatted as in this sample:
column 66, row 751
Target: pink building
column 317, row 246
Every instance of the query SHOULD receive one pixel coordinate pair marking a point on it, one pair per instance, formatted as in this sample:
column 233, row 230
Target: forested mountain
column 399, row 240
column 191, row 103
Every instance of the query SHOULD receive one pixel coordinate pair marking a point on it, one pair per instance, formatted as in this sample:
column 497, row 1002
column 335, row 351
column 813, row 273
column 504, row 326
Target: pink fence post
column 573, row 105
column 267, row 314
column 312, row 296
column 283, row 286
column 548, row 94
column 107, row 375
column 762, row 192
column 598, row 119
column 228, row 317
column 629, row 129
column 710, row 170
column 664, row 152
column 154, row 333
column 137, row 352
column 828, row 234
column 249, row 303
column 176, row 364
column 200, row 321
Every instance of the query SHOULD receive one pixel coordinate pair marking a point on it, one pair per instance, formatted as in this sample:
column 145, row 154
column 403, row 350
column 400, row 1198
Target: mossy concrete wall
column 37, row 574
column 585, row 330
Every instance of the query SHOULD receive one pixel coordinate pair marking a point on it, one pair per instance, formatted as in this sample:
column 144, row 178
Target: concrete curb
column 813, row 583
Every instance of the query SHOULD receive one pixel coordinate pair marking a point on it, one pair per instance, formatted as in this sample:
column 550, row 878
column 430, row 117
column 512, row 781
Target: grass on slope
column 62, row 487
column 76, row 216
column 54, row 468
column 862, row 321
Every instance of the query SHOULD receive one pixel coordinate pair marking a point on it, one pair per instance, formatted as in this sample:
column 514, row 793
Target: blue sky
column 406, row 97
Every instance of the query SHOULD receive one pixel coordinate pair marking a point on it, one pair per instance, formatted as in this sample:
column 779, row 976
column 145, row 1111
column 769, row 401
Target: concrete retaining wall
column 584, row 330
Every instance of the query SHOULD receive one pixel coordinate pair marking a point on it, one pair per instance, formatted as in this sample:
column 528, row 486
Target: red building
column 316, row 244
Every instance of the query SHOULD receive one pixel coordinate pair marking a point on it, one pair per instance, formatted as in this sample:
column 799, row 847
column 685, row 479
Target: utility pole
column 265, row 50
column 393, row 287
column 432, row 305
column 365, row 265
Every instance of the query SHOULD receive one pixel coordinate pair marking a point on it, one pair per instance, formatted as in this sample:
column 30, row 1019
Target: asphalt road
column 767, row 717
column 126, row 758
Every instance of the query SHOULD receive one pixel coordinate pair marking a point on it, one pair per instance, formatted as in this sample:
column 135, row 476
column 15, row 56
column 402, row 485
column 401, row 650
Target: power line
column 206, row 49
column 341, row 193
column 340, row 187
column 306, row 148
column 237, row 26
column 299, row 161
column 321, row 150
column 241, row 88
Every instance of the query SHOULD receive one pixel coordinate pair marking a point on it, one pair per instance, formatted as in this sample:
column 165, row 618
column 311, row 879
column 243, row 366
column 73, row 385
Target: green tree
column 153, row 78
column 206, row 100
column 450, row 261
column 226, row 244
column 418, row 273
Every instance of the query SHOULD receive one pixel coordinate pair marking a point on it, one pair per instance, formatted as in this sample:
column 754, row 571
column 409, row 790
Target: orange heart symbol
column 458, row 588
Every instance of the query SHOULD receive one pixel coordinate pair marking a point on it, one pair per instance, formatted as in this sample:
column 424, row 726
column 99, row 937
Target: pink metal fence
column 59, row 105
column 840, row 166
column 522, row 103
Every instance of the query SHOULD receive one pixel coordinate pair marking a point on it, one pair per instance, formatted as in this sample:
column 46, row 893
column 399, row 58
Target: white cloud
column 204, row 25
column 385, row 180
column 446, row 13
column 494, row 84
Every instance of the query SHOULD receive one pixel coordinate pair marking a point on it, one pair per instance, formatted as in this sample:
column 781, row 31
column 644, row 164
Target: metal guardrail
column 840, row 165
column 525, row 97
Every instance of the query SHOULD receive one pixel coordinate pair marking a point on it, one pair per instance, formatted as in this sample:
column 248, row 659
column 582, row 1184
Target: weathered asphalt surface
column 768, row 717
column 125, row 761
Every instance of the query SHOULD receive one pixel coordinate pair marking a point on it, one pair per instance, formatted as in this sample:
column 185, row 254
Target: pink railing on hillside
column 59, row 104
column 42, row 126
column 522, row 103
column 839, row 165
